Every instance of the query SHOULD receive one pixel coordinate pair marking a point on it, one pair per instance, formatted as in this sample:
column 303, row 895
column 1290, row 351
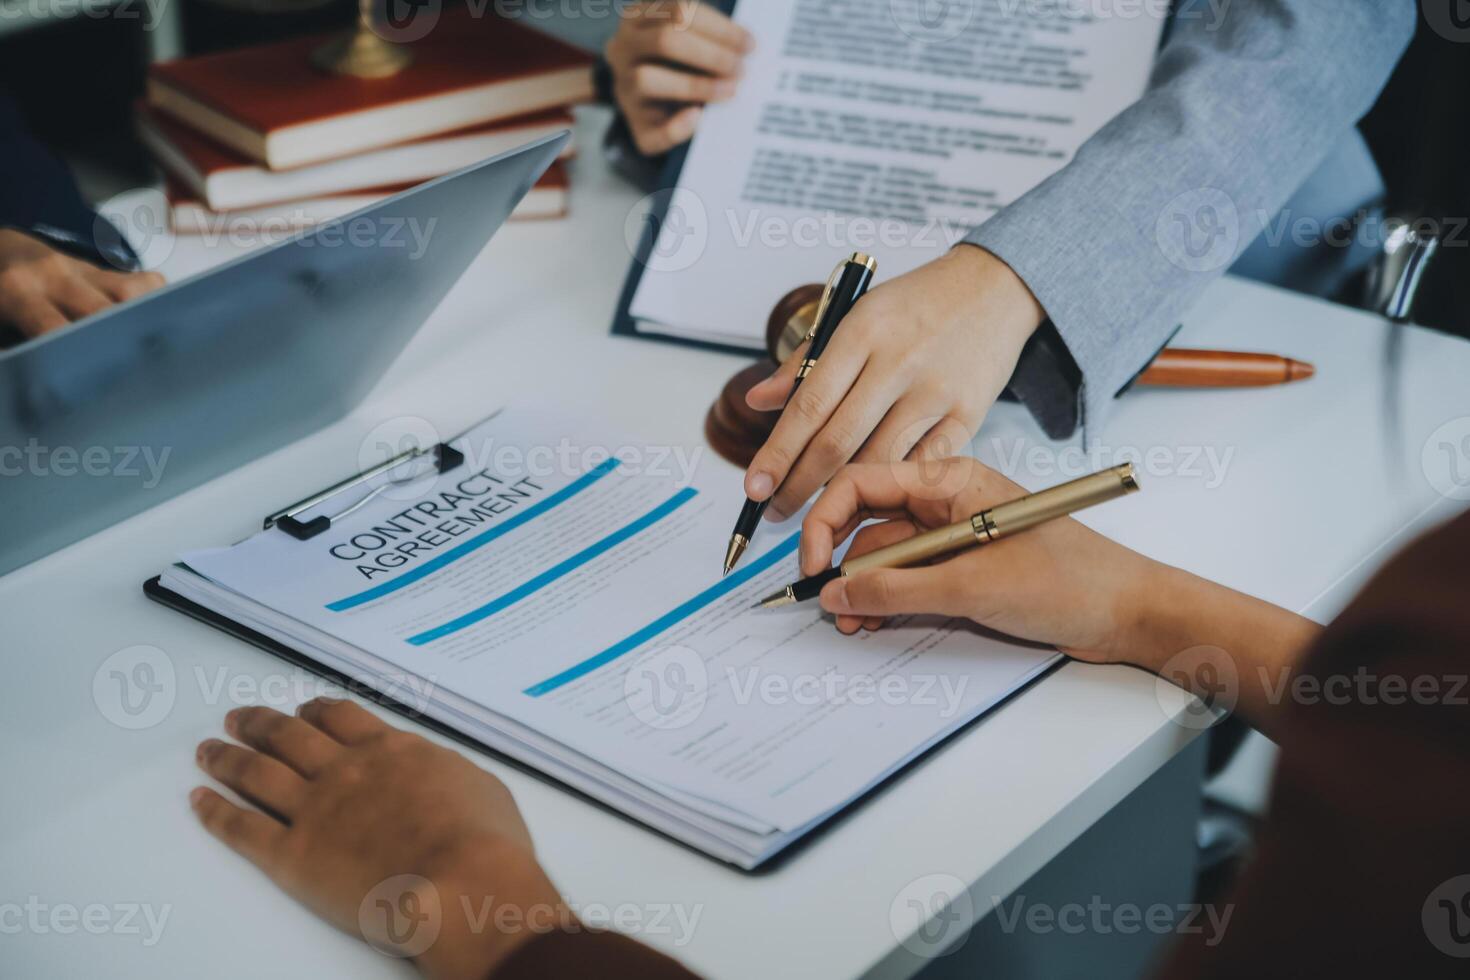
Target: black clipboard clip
column 446, row 458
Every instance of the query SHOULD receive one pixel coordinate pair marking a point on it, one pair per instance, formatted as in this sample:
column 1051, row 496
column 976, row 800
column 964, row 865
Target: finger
column 876, row 536
column 715, row 25
column 771, row 394
column 871, row 538
column 253, row 835
column 863, row 491
column 651, row 81
column 78, row 298
column 673, row 130
column 299, row 745
column 880, row 535
column 669, row 41
column 618, row 51
column 345, row 721
column 807, row 412
column 819, row 542
column 124, row 286
column 266, row 782
column 690, row 49
column 855, row 418
column 848, row 625
column 915, row 414
column 33, row 315
column 890, row 592
column 951, row 437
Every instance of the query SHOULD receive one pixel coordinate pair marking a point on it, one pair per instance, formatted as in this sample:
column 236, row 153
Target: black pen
column 845, row 287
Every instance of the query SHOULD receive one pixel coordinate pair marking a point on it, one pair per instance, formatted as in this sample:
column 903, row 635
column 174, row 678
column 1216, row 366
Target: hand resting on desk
column 43, row 290
column 348, row 803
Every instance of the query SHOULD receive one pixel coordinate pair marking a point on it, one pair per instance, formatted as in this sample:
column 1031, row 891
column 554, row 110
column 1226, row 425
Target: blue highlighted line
column 480, row 540
column 556, row 571
column 675, row 616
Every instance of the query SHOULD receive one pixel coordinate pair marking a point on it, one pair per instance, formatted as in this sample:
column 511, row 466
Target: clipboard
column 624, row 324
column 445, row 458
column 287, row 519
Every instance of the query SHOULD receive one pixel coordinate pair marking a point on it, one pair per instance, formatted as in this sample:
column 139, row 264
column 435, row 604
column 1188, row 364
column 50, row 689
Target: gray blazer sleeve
column 1245, row 102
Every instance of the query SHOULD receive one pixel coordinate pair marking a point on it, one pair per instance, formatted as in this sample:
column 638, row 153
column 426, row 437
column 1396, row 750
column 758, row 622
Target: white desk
column 94, row 813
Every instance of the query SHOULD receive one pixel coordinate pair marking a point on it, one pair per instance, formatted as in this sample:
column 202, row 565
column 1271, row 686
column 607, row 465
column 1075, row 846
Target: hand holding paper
column 668, row 60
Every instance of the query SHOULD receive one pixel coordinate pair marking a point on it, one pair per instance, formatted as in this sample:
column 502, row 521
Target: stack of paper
column 560, row 601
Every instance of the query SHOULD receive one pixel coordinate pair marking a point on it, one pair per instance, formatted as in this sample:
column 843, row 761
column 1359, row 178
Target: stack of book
column 256, row 139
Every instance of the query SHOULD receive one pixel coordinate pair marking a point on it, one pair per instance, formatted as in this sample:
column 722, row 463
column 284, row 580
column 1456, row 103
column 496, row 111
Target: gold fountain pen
column 990, row 525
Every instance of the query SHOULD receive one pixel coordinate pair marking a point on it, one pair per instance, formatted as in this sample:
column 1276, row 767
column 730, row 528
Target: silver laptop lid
column 226, row 366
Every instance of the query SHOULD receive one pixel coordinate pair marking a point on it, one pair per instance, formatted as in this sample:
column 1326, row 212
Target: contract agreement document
column 892, row 127
column 559, row 600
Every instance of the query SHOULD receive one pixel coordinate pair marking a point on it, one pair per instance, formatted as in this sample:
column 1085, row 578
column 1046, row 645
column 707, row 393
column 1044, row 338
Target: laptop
column 123, row 410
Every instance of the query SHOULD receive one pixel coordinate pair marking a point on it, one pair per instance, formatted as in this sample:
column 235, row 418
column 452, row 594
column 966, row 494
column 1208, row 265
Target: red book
column 271, row 105
column 224, row 180
column 190, row 216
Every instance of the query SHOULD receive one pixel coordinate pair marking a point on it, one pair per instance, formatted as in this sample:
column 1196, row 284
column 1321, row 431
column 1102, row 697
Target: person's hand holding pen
column 913, row 371
column 1058, row 583
column 669, row 58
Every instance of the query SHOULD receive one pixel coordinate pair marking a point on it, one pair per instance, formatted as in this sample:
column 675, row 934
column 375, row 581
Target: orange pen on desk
column 1178, row 367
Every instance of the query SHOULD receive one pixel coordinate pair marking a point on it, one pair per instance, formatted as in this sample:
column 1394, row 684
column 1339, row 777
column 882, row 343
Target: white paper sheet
column 891, row 127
